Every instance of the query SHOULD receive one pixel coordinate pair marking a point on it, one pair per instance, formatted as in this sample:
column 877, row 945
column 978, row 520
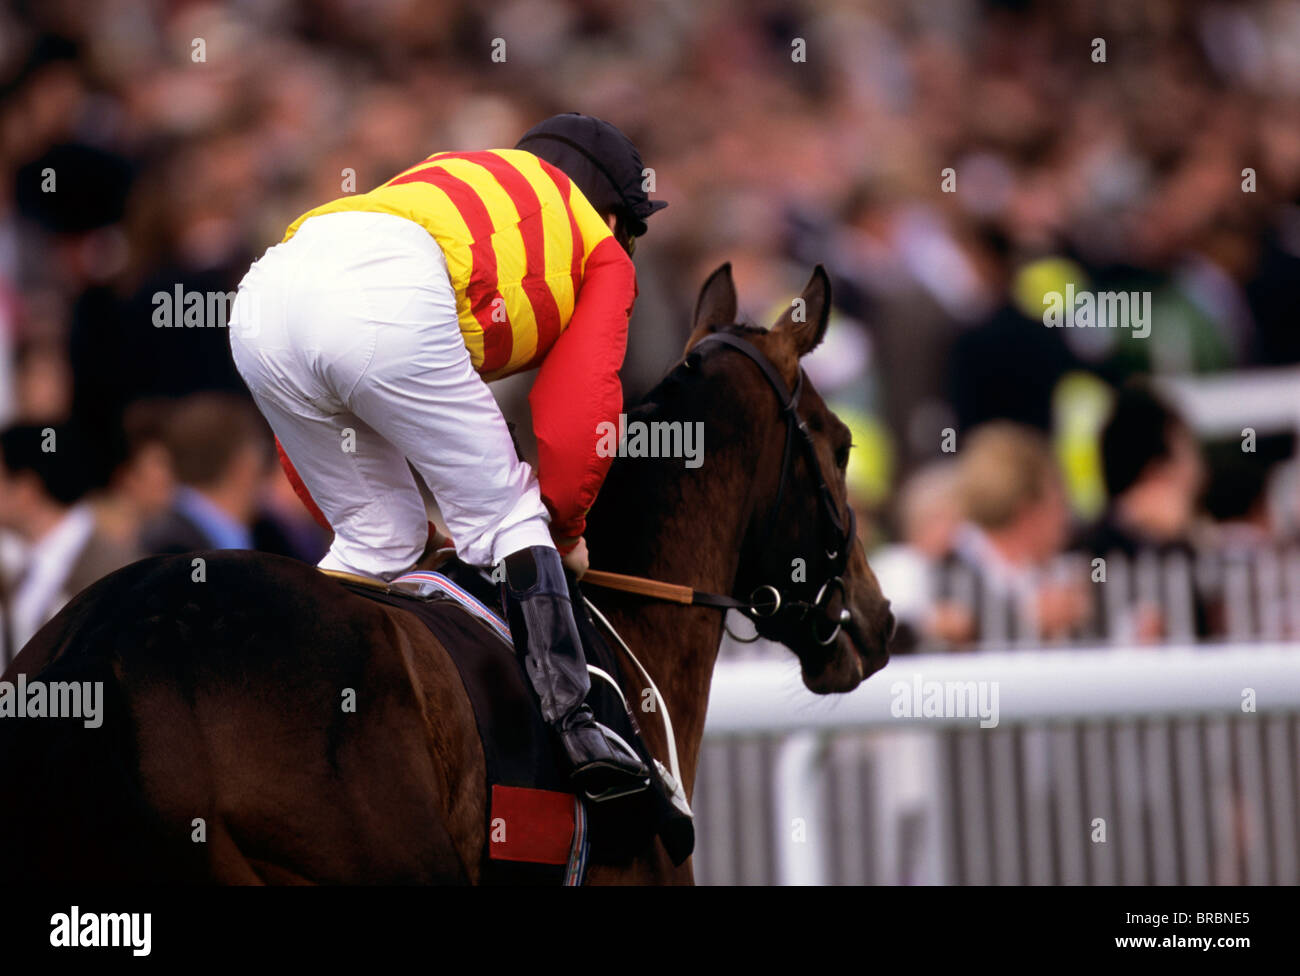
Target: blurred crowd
column 990, row 555
column 950, row 162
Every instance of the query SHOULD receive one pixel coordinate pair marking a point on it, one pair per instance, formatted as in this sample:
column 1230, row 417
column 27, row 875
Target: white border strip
column 768, row 696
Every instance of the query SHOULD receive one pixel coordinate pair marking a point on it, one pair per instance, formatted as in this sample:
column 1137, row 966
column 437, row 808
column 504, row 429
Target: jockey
column 367, row 337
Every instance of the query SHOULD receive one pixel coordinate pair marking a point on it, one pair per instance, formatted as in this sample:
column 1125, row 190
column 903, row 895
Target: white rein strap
column 662, row 704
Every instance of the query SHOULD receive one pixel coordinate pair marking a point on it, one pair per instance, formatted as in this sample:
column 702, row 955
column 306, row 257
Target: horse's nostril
column 891, row 626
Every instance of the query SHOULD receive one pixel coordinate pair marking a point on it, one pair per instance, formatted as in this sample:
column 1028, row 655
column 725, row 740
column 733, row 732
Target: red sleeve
column 578, row 388
column 299, row 488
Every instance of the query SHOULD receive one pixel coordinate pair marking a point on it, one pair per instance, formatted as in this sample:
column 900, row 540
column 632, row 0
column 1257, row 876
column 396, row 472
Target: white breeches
column 348, row 338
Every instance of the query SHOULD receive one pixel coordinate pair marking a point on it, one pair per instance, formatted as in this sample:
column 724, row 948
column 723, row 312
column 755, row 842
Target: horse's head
column 801, row 564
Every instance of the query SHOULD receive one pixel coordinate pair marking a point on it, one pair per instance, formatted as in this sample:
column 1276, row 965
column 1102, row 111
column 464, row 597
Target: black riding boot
column 544, row 631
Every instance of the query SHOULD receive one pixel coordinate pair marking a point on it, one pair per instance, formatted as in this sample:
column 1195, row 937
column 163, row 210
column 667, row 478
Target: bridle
column 768, row 602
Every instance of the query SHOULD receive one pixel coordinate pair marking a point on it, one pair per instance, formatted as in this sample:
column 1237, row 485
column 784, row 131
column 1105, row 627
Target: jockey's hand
column 575, row 560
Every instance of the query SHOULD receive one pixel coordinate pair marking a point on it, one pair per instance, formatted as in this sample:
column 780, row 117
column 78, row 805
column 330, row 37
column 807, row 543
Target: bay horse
column 222, row 697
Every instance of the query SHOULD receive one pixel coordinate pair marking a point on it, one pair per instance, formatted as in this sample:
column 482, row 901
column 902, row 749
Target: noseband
column 769, row 601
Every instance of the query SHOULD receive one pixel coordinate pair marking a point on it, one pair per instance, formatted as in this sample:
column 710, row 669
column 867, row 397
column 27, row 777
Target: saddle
column 538, row 831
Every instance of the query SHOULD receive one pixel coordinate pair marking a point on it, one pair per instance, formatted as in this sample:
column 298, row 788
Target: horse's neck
column 679, row 526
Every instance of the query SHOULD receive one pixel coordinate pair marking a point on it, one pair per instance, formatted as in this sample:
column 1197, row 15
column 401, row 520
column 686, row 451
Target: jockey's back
column 518, row 237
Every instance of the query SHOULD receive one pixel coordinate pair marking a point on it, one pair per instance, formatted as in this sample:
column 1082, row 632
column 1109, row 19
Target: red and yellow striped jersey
column 517, row 235
column 540, row 280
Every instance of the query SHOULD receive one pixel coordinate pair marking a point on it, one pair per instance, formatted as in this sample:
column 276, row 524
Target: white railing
column 1152, row 765
column 1221, row 404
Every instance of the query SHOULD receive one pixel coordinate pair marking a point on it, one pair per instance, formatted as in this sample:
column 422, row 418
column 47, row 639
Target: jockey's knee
column 489, row 544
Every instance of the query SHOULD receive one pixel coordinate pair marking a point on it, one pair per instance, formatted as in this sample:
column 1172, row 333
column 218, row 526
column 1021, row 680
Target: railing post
column 799, row 800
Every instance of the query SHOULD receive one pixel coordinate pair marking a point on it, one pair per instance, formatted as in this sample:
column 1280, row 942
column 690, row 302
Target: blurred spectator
column 1016, row 521
column 1237, row 494
column 1154, row 475
column 220, row 450
column 1007, row 366
column 60, row 551
column 1247, row 595
column 929, row 509
column 143, row 485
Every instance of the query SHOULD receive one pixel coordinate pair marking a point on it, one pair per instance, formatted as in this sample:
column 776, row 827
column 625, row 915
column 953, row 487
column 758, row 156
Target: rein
column 767, row 600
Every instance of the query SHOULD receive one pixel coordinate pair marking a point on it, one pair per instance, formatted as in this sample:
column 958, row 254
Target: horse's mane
column 644, row 407
column 645, row 485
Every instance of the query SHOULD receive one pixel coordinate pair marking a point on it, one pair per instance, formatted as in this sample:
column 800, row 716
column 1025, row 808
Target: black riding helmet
column 600, row 160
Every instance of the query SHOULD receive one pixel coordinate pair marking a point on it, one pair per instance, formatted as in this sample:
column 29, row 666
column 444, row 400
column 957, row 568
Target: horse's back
column 258, row 722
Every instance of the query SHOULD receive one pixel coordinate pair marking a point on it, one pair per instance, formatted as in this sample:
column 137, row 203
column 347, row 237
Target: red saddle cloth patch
column 530, row 825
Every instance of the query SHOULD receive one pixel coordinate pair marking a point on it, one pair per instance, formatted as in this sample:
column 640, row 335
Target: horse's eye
column 842, row 457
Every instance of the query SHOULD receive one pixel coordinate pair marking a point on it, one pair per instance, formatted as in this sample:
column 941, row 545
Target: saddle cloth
column 538, row 831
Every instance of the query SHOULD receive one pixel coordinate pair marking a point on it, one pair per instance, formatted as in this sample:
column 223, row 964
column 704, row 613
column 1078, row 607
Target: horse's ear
column 716, row 306
column 805, row 322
